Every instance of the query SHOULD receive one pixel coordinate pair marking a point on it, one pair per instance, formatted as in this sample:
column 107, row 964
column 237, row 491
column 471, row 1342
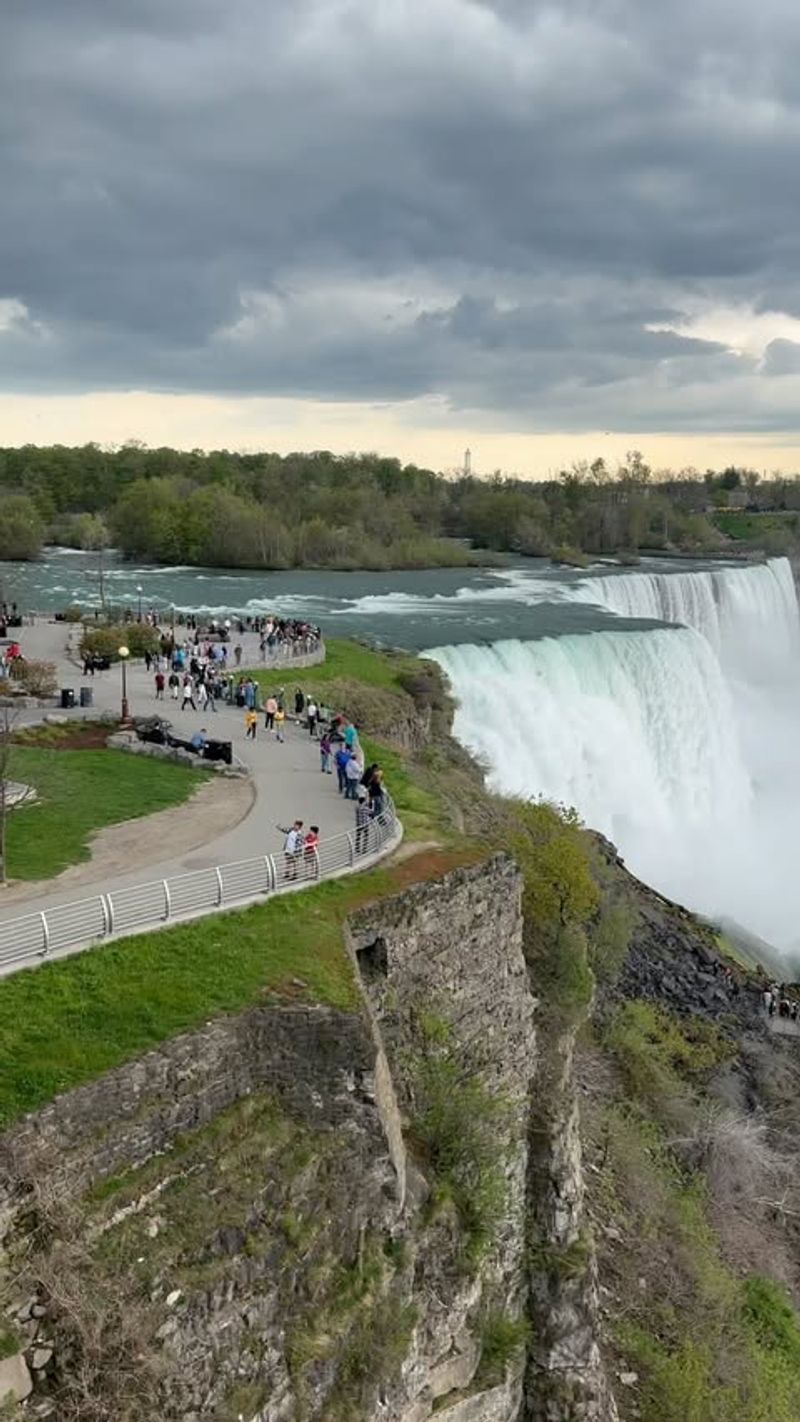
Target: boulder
column 15, row 1378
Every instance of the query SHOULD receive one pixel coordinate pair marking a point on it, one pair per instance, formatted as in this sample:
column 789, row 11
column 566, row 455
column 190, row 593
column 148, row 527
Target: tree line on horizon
column 271, row 511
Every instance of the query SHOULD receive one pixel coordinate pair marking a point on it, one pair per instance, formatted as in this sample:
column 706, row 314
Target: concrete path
column 286, row 778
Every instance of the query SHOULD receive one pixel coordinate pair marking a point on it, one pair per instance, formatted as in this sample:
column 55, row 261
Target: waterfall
column 748, row 614
column 680, row 743
column 633, row 728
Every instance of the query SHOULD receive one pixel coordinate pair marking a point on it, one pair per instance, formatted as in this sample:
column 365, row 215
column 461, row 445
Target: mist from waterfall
column 680, row 743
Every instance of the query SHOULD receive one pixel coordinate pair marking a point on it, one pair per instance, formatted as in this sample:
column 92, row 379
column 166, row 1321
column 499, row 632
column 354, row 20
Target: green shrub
column 461, row 1128
column 662, row 1056
column 560, row 898
column 572, row 557
column 771, row 1319
column 503, row 1338
column 106, row 639
column 73, row 613
column 10, row 1342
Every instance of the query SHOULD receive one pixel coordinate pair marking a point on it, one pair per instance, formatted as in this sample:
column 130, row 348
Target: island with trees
column 366, row 511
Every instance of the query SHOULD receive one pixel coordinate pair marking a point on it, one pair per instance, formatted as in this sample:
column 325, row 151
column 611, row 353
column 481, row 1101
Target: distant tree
column 21, row 528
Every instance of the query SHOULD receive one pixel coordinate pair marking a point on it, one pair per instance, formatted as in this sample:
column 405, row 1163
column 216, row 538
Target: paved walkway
column 286, row 778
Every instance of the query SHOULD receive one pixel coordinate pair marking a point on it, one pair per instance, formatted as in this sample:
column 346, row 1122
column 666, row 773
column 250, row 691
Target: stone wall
column 318, row 1062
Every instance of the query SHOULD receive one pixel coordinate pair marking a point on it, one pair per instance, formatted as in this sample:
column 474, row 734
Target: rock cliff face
column 293, row 1212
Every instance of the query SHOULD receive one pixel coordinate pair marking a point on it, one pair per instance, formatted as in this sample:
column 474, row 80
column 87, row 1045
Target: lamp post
column 123, row 654
column 139, row 591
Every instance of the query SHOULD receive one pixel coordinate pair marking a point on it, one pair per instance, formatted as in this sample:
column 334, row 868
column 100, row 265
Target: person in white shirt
column 292, row 848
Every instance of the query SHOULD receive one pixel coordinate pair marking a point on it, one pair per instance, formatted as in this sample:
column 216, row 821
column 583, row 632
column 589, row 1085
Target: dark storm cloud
column 378, row 199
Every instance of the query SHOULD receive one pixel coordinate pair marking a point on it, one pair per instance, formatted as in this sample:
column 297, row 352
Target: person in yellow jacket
column 251, row 722
column 279, row 722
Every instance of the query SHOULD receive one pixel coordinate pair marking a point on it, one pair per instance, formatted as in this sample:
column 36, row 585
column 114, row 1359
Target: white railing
column 71, row 927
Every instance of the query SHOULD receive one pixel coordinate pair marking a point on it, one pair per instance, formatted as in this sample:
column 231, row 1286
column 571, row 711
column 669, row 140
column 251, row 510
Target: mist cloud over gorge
column 516, row 208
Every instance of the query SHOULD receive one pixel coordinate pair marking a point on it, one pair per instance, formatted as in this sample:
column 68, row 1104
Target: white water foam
column 680, row 744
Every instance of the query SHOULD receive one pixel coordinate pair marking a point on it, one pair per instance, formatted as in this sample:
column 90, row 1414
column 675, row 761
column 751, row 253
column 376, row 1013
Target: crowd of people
column 277, row 636
column 197, row 676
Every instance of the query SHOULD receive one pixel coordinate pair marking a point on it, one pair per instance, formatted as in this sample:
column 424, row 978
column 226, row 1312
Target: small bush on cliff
column 503, row 1337
column 560, row 898
column 663, row 1058
column 460, row 1126
column 770, row 1317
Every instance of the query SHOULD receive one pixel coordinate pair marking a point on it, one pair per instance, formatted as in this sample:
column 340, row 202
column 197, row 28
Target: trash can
column 219, row 750
column 86, row 696
column 67, row 698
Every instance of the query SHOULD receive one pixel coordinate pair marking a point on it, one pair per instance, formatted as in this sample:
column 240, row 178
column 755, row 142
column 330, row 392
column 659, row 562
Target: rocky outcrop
column 674, row 959
column 565, row 1378
column 253, row 1210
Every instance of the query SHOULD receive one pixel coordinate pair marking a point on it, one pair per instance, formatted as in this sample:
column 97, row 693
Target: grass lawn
column 752, row 528
column 344, row 661
column 64, row 1023
column 80, row 792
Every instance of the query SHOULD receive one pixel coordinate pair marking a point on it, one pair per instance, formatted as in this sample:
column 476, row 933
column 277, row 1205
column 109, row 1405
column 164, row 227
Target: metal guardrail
column 73, row 926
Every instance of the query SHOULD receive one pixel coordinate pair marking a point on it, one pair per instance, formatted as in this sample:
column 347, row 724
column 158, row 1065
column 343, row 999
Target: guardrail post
column 220, row 887
column 45, row 936
column 351, row 844
column 104, row 911
column 167, row 900
column 109, row 913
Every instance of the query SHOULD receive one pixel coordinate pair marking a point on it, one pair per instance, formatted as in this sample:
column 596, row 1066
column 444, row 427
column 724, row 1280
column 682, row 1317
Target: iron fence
column 74, row 926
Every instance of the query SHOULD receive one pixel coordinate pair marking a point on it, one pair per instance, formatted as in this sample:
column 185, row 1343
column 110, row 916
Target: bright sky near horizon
column 541, row 230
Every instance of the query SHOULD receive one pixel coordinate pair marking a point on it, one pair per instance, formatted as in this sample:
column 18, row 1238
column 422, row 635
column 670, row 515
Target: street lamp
column 123, row 653
column 139, row 591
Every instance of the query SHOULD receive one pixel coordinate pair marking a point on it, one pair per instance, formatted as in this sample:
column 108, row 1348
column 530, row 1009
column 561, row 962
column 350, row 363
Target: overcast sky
column 412, row 223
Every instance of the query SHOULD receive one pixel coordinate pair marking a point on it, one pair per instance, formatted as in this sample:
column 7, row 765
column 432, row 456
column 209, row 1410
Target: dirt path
column 216, row 806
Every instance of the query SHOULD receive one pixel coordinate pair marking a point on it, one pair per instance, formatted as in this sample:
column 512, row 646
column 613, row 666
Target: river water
column 661, row 701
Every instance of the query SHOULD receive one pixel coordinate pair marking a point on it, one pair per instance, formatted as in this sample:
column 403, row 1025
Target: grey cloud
column 543, row 181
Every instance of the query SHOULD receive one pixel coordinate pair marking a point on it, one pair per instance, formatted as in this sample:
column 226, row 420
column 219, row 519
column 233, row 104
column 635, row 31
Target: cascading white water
column 745, row 613
column 679, row 743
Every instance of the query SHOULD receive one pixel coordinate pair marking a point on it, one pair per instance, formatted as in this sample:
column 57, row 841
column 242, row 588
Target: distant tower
column 467, row 463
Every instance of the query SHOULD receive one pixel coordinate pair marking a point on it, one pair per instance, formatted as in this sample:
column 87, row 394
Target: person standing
column 292, row 848
column 341, row 758
column 188, row 694
column 362, row 820
column 270, row 708
column 312, row 714
column 237, row 654
column 202, row 695
column 280, row 722
column 174, row 685
column 376, row 792
column 325, row 754
column 352, row 775
column 299, row 702
column 311, row 852
column 250, row 722
column 160, row 682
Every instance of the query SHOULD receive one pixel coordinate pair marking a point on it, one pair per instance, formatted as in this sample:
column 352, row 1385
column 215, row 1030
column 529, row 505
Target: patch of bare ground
column 216, row 806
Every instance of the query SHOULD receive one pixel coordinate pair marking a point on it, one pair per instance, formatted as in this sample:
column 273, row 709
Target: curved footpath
column 286, row 778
